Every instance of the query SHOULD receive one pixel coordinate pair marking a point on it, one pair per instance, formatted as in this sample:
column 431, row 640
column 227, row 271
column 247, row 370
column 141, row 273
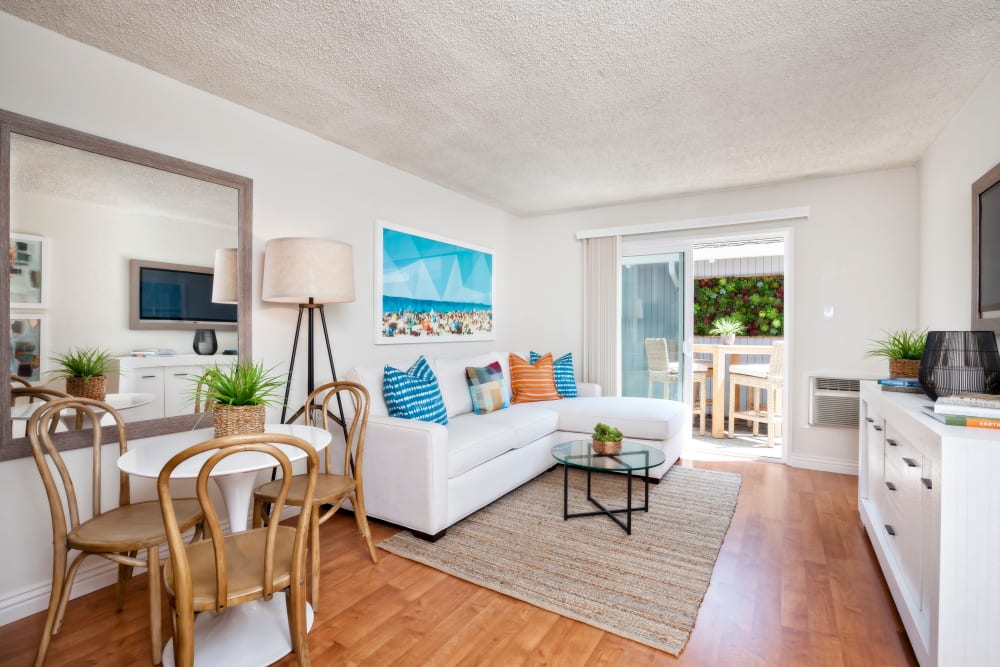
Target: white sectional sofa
column 426, row 476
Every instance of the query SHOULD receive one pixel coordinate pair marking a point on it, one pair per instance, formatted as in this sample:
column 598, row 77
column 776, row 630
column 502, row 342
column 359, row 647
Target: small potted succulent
column 727, row 328
column 903, row 348
column 238, row 395
column 86, row 371
column 607, row 439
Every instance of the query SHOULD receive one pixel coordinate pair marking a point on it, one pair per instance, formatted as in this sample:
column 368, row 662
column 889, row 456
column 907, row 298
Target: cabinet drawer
column 144, row 381
column 179, row 384
column 901, row 528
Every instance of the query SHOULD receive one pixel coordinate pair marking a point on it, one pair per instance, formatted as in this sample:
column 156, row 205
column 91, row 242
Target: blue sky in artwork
column 415, row 267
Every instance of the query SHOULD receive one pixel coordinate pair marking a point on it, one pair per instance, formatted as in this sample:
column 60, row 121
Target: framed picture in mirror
column 28, row 346
column 29, row 271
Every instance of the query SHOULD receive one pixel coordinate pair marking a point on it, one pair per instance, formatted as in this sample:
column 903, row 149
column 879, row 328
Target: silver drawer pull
column 889, row 529
column 148, row 377
column 891, row 442
column 869, row 420
column 180, row 375
column 877, row 427
column 910, row 462
column 890, row 486
column 927, row 482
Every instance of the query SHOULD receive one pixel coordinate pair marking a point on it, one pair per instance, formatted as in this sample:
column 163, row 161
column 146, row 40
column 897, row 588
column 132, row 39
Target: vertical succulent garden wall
column 758, row 301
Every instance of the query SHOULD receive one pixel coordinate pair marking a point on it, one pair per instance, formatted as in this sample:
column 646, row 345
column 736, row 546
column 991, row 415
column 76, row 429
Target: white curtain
column 602, row 313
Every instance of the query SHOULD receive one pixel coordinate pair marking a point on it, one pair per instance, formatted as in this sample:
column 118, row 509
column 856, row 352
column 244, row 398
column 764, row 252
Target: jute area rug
column 646, row 587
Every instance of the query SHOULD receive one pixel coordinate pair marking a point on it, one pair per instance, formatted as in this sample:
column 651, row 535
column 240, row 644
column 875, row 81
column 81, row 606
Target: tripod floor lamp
column 311, row 273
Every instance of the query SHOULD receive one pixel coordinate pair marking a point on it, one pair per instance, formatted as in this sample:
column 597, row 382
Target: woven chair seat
column 755, row 370
column 759, row 377
column 327, row 487
column 134, row 525
column 244, row 565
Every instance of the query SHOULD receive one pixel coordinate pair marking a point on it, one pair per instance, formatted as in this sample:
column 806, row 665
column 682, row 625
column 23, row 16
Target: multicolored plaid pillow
column 562, row 369
column 414, row 394
column 486, row 387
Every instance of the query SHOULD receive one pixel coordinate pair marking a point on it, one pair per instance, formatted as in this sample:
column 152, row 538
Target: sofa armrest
column 405, row 473
column 588, row 389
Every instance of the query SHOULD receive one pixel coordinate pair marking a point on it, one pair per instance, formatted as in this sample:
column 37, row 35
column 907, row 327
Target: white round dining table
column 250, row 634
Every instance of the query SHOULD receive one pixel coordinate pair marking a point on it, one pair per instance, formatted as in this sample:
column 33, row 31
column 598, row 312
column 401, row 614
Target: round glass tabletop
column 634, row 456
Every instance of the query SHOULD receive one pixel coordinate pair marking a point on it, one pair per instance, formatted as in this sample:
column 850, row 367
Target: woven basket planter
column 95, row 387
column 607, row 447
column 238, row 419
column 904, row 368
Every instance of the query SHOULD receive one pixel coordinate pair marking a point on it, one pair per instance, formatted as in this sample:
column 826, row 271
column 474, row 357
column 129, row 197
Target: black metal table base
column 627, row 510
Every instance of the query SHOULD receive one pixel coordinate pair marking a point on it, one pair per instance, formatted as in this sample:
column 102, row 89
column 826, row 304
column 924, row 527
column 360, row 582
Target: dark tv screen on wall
column 986, row 251
column 175, row 296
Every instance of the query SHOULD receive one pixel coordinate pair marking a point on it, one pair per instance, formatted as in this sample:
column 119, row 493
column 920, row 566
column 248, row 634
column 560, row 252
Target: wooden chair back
column 226, row 446
column 356, row 416
column 16, row 380
column 40, row 428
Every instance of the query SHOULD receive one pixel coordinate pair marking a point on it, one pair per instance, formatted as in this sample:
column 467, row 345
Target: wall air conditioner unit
column 834, row 401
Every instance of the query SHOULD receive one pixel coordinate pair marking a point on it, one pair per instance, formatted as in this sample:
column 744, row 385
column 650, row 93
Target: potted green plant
column 85, row 370
column 727, row 328
column 238, row 395
column 607, row 439
column 903, row 348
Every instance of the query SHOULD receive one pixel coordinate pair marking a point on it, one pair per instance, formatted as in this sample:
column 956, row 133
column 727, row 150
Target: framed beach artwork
column 29, row 272
column 28, row 346
column 429, row 289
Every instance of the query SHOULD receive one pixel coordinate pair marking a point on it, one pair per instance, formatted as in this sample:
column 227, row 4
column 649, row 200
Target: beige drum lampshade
column 224, row 280
column 297, row 269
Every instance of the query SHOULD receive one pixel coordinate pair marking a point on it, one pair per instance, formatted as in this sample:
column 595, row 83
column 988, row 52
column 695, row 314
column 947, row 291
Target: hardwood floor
column 796, row 583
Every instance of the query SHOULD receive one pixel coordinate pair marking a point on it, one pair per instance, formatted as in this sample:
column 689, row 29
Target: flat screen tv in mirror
column 986, row 252
column 175, row 296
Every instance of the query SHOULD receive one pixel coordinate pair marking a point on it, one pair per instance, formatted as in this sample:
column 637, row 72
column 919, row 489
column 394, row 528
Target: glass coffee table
column 633, row 457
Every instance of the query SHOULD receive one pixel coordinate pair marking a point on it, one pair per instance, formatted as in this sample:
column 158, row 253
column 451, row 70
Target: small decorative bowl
column 607, row 447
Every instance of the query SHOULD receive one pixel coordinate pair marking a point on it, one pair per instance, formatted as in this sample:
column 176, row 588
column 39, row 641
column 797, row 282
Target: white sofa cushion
column 452, row 380
column 647, row 418
column 371, row 377
column 475, row 439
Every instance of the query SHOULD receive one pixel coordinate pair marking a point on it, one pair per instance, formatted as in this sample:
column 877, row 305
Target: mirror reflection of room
column 77, row 220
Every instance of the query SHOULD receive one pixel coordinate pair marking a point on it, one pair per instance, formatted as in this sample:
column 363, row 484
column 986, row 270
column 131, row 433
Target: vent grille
column 834, row 401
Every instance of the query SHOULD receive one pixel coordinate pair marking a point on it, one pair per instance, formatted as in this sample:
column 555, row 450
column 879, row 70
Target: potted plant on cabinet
column 727, row 328
column 86, row 371
column 238, row 395
column 903, row 348
column 607, row 439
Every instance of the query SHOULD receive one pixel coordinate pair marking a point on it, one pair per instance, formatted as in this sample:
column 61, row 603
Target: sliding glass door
column 657, row 326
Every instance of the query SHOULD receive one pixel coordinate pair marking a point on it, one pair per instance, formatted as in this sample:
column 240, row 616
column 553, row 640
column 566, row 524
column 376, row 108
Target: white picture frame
column 431, row 289
column 29, row 346
column 30, row 274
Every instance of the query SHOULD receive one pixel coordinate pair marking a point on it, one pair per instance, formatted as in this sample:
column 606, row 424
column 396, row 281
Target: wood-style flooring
column 796, row 583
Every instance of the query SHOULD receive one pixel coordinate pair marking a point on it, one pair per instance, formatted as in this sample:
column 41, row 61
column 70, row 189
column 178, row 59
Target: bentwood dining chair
column 224, row 571
column 117, row 534
column 767, row 378
column 332, row 488
column 40, row 395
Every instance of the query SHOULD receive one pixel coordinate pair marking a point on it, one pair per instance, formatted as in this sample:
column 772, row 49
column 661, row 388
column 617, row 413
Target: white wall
column 303, row 186
column 857, row 252
column 966, row 149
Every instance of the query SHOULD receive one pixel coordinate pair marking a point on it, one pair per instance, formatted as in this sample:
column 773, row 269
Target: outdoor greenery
column 606, row 433
column 243, row 383
column 727, row 325
column 756, row 301
column 84, row 362
column 901, row 344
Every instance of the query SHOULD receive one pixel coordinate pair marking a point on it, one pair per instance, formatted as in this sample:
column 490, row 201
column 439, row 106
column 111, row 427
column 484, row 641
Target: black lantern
column 205, row 341
column 958, row 362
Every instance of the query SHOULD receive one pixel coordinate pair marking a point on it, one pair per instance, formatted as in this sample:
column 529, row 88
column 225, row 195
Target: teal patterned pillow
column 564, row 376
column 486, row 387
column 414, row 394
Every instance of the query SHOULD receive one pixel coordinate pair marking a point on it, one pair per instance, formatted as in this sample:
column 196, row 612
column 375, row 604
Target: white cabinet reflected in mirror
column 81, row 210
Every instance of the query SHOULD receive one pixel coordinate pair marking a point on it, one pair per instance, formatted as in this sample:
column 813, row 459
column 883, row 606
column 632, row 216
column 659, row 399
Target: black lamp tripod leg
column 291, row 366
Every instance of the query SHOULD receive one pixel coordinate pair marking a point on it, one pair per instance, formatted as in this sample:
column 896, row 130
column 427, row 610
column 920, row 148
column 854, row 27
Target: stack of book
column 976, row 410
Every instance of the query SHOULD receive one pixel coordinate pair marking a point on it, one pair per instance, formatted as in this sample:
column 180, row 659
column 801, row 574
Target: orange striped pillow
column 532, row 382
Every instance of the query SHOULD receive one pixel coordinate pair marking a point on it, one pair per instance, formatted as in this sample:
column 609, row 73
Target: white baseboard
column 824, row 463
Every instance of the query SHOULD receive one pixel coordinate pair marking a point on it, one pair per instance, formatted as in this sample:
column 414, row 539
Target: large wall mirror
column 75, row 211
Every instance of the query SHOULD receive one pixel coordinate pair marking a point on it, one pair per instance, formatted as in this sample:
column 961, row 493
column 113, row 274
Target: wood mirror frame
column 12, row 123
column 985, row 182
